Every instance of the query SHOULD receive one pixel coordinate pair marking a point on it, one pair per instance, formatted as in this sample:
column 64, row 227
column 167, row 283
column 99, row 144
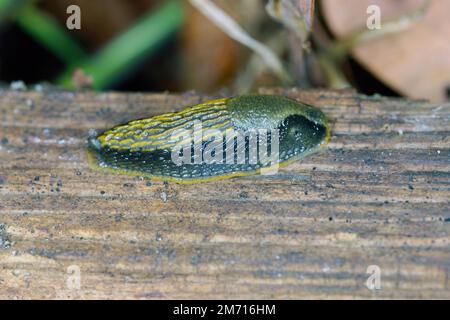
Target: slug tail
column 94, row 143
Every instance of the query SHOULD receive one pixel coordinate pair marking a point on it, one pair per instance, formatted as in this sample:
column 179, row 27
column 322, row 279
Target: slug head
column 302, row 128
column 299, row 135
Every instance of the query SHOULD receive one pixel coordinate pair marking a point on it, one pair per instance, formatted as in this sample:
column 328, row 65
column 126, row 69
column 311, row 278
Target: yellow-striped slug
column 214, row 140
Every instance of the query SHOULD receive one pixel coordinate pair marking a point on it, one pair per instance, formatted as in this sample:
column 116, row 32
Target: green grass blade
column 48, row 32
column 130, row 47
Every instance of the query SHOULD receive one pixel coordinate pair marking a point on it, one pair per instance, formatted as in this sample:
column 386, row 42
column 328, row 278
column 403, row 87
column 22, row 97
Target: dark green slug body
column 146, row 147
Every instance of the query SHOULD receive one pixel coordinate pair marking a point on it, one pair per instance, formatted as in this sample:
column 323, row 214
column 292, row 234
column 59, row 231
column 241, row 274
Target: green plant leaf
column 128, row 48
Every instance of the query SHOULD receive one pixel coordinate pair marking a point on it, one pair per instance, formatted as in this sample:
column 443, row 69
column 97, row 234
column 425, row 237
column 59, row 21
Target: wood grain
column 378, row 194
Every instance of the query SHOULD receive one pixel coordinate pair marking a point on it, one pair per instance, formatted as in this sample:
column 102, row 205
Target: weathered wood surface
column 378, row 194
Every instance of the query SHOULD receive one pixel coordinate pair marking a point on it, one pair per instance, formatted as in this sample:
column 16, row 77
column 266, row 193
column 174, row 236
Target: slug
column 224, row 138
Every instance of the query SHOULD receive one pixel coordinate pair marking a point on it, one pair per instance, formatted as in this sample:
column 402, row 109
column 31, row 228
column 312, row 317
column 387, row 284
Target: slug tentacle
column 214, row 140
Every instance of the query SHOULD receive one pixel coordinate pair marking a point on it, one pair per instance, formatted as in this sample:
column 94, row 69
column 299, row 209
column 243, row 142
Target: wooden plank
column 378, row 194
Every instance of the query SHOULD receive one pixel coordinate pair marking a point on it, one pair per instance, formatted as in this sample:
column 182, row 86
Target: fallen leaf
column 416, row 61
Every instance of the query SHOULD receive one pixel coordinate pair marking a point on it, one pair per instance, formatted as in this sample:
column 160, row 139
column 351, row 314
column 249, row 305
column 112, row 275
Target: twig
column 285, row 12
column 340, row 48
column 332, row 55
column 236, row 32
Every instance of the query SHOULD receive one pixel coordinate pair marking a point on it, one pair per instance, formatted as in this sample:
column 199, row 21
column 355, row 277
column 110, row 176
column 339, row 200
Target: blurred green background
column 133, row 45
column 159, row 45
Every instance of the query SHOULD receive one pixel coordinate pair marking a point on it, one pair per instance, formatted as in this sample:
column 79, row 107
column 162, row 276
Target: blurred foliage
column 43, row 28
column 234, row 46
column 109, row 63
column 123, row 52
